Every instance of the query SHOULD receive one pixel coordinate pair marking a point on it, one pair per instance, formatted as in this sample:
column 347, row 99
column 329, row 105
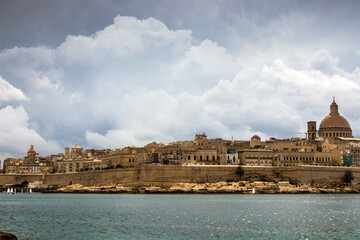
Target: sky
column 111, row 74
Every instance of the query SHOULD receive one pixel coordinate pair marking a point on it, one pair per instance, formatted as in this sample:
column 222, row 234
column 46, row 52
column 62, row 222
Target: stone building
column 119, row 158
column 331, row 145
column 77, row 165
column 77, row 160
column 31, row 164
column 258, row 157
column 332, row 126
column 201, row 151
column 232, row 157
column 76, row 151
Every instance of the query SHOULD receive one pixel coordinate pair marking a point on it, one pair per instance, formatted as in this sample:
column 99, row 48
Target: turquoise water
column 180, row 216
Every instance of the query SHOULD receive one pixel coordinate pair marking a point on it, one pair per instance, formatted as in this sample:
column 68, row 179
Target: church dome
column 334, row 125
column 334, row 121
column 32, row 150
column 255, row 138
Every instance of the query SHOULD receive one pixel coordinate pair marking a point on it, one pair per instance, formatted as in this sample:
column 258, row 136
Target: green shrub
column 240, row 172
column 348, row 177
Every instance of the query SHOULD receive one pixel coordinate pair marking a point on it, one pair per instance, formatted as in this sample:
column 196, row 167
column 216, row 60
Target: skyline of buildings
column 330, row 145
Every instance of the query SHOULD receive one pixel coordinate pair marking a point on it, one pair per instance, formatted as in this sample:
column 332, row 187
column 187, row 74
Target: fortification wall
column 163, row 175
column 144, row 175
column 14, row 179
column 166, row 175
column 326, row 174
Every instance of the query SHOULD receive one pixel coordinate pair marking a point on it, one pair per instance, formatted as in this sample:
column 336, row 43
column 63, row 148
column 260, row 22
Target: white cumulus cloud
column 10, row 93
column 16, row 136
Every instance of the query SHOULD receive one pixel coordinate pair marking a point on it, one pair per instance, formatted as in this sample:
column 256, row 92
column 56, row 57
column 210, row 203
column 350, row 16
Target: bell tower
column 311, row 131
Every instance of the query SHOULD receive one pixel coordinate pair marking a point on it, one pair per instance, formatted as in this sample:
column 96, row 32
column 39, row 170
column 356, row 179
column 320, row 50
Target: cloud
column 266, row 101
column 9, row 93
column 137, row 81
column 122, row 138
column 16, row 137
column 205, row 64
column 126, row 37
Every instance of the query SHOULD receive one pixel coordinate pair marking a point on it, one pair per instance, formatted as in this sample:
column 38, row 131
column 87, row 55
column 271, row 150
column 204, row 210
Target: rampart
column 163, row 175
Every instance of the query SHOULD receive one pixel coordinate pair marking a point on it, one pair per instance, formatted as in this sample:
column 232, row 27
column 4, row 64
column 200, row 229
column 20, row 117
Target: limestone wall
column 326, row 174
column 13, row 179
column 166, row 175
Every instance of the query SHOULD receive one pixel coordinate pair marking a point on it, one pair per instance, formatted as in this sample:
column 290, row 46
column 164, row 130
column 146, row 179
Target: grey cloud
column 167, row 77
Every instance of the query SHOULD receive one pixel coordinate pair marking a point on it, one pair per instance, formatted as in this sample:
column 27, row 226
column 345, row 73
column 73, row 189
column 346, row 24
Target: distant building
column 31, row 164
column 332, row 126
column 330, row 145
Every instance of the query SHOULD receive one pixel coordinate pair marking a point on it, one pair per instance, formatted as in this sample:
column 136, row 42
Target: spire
column 334, row 107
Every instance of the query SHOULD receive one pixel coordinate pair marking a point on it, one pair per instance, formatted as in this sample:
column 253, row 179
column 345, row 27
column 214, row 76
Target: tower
column 311, row 131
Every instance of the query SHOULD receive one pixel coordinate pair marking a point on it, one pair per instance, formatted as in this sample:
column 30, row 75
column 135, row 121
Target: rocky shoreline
column 242, row 187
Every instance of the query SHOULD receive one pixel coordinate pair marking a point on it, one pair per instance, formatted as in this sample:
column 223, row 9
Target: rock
column 217, row 187
column 7, row 236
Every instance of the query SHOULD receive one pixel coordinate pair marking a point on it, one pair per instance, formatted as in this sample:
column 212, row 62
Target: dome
column 32, row 150
column 334, row 125
column 255, row 138
column 76, row 145
column 334, row 121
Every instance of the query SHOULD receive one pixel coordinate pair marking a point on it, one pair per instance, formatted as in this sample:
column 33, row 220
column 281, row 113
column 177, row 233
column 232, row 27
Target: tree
column 348, row 176
column 240, row 172
column 24, row 184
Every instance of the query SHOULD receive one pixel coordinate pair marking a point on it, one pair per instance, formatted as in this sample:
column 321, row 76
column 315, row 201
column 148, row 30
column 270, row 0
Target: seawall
column 160, row 175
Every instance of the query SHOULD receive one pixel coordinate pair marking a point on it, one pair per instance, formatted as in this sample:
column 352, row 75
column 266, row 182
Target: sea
column 181, row 216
